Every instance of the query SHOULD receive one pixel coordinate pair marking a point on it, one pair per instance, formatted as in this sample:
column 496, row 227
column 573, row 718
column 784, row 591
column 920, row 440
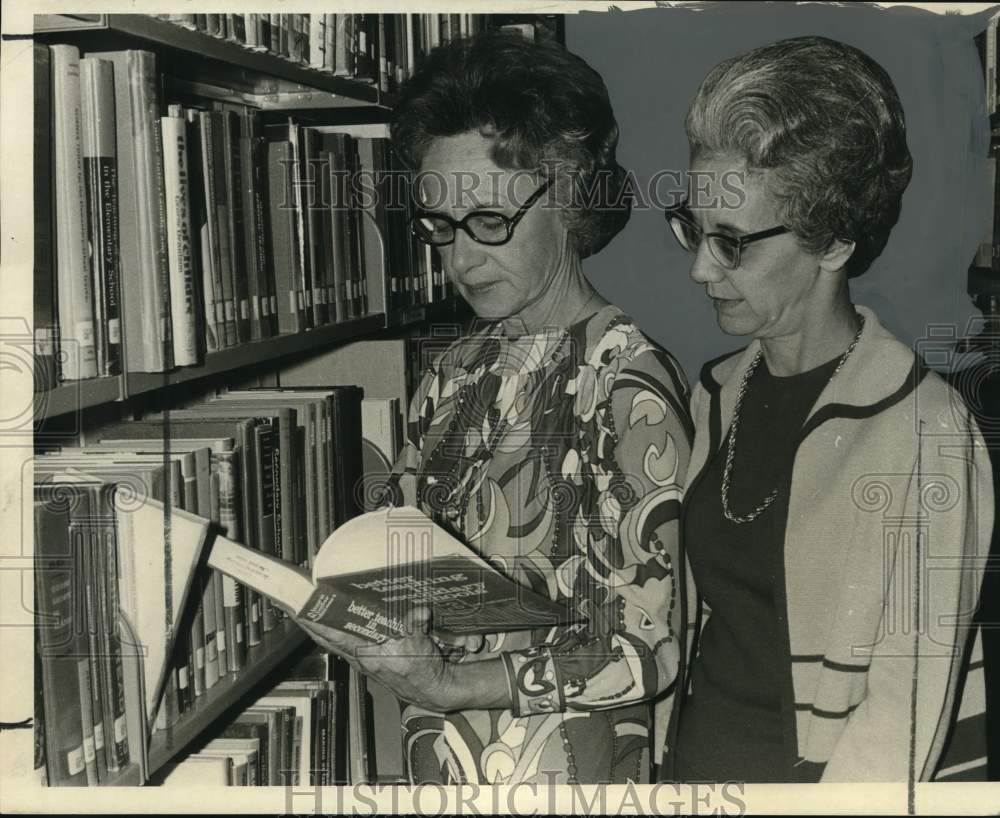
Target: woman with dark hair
column 551, row 440
column 838, row 492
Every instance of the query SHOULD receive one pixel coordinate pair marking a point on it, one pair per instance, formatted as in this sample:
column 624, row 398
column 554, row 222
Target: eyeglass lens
column 486, row 228
column 689, row 236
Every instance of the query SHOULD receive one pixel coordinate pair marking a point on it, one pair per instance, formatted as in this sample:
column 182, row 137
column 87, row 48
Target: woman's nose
column 465, row 253
column 705, row 269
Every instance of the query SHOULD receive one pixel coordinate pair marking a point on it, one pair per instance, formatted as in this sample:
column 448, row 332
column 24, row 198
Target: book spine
column 251, row 259
column 233, row 643
column 303, row 498
column 210, row 628
column 323, row 475
column 383, row 52
column 101, row 176
column 303, row 251
column 321, row 742
column 74, row 283
column 207, row 340
column 251, row 524
column 81, row 534
column 197, row 639
column 261, row 249
column 312, row 182
column 267, row 510
column 317, row 40
column 284, row 245
column 236, row 225
column 116, row 734
column 330, row 42
column 284, row 527
column 342, row 64
column 44, row 260
column 346, row 454
column 100, row 665
column 224, row 233
column 152, row 215
column 56, row 589
column 183, row 304
column 213, row 285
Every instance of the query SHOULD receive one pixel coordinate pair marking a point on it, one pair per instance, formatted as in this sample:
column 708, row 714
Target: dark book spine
column 321, row 737
column 340, row 706
column 221, row 164
column 262, row 234
column 348, row 470
column 251, row 526
column 100, row 172
column 312, row 174
column 112, row 670
column 57, row 586
column 284, row 246
column 46, row 373
column 301, row 195
column 252, row 259
column 212, row 287
column 237, row 227
column 267, row 505
column 82, row 536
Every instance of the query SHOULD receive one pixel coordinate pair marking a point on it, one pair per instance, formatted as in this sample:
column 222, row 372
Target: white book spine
column 183, row 303
column 317, row 40
column 75, row 291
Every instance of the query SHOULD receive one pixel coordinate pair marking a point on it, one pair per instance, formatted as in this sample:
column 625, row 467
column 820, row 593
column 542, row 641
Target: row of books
column 275, row 469
column 383, row 49
column 286, row 737
column 160, row 239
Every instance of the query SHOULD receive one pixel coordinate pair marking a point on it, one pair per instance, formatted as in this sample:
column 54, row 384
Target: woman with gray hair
column 838, row 492
column 551, row 440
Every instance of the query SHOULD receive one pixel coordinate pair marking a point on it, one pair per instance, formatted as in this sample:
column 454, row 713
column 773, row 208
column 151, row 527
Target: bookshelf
column 204, row 71
column 216, row 68
column 199, row 74
column 275, row 648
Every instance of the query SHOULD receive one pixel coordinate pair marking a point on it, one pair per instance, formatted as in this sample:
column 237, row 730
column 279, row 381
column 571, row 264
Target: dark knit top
column 731, row 726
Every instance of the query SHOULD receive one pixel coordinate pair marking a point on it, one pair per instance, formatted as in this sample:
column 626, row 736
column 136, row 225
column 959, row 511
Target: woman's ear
column 835, row 256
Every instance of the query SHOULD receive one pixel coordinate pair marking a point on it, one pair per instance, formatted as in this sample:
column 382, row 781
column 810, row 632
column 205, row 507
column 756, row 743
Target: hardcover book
column 377, row 567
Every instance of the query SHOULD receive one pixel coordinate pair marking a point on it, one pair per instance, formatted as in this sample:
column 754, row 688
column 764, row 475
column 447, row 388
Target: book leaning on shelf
column 373, row 570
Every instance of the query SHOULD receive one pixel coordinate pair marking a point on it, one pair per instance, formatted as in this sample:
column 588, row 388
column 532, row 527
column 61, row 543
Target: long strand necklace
column 727, row 472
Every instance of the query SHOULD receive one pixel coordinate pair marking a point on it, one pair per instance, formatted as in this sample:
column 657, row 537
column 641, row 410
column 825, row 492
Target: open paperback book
column 375, row 568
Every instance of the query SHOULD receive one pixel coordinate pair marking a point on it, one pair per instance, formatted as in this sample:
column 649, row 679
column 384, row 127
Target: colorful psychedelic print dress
column 558, row 456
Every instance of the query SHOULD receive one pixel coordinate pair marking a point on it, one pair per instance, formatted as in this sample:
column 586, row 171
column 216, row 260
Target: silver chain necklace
column 727, row 473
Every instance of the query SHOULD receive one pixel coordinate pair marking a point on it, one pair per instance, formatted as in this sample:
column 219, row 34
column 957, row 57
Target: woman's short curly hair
column 545, row 109
column 826, row 122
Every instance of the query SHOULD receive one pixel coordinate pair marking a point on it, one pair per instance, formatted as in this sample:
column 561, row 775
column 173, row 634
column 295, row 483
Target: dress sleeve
column 624, row 569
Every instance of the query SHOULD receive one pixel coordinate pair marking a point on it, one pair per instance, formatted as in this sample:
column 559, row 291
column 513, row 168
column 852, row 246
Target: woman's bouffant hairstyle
column 826, row 122
column 545, row 109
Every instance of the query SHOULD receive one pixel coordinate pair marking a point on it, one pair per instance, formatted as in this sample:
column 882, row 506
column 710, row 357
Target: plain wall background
column 653, row 61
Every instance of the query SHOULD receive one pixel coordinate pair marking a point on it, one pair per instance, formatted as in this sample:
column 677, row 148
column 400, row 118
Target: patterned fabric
column 558, row 456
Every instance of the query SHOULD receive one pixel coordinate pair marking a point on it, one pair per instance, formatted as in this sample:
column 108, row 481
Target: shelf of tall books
column 222, row 251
